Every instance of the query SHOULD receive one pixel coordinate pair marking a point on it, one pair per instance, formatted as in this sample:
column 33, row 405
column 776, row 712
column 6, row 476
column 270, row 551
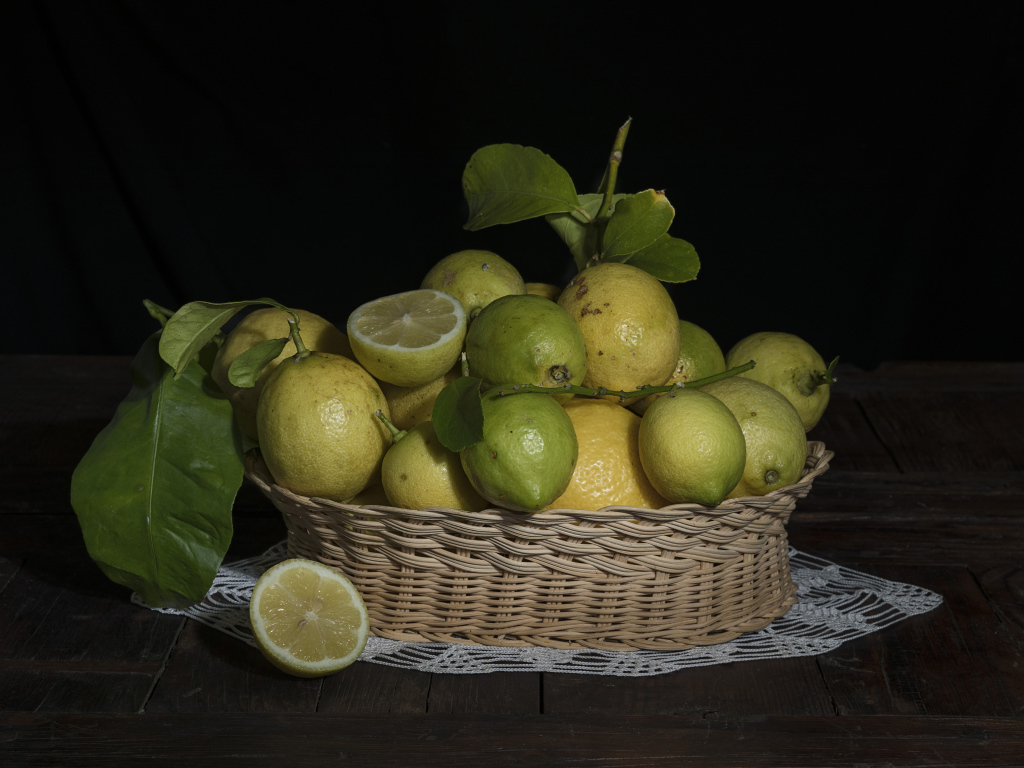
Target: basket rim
column 818, row 458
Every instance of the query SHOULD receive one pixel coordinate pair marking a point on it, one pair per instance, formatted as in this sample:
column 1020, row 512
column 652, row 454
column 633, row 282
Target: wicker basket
column 619, row 579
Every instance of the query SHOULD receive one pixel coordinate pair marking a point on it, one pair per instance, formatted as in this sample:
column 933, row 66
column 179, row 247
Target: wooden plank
column 65, row 609
column 721, row 691
column 955, row 660
column 30, row 689
column 450, row 741
column 941, row 537
column 936, row 431
column 209, row 671
column 492, row 693
column 366, row 688
column 846, row 431
column 1004, row 587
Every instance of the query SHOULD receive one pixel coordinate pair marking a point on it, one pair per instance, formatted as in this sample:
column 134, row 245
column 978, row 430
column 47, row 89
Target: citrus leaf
column 505, row 183
column 154, row 492
column 577, row 231
column 194, row 324
column 668, row 258
column 458, row 414
column 638, row 220
column 247, row 367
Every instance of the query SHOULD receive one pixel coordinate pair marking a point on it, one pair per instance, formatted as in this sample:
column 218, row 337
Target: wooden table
column 926, row 487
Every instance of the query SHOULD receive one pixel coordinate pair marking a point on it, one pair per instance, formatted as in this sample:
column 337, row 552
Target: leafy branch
column 507, row 183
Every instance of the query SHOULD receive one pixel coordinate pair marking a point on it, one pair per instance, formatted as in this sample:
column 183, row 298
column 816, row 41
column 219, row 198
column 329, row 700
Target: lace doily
column 836, row 604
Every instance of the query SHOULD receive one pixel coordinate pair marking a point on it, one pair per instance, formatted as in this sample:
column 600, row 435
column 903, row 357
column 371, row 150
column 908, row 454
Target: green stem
column 465, row 365
column 608, row 187
column 293, row 325
column 811, row 381
column 521, row 389
column 396, row 433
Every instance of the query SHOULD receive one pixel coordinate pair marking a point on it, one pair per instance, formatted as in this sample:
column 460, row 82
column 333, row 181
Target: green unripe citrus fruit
column 528, row 452
column 527, row 340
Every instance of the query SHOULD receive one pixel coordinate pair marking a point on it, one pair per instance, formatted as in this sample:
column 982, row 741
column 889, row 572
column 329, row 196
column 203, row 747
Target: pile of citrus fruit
column 351, row 420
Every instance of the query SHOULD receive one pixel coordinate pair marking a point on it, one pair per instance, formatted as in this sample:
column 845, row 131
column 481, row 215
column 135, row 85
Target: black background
column 851, row 174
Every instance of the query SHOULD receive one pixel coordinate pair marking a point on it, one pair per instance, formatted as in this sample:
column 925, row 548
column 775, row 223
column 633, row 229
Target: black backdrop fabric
column 849, row 173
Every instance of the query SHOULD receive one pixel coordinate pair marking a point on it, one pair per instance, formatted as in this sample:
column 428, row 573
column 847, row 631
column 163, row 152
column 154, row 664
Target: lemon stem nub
column 771, row 477
column 300, row 348
column 811, row 381
column 396, row 433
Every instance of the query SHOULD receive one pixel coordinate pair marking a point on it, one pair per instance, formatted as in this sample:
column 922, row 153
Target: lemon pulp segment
column 412, row 320
column 307, row 619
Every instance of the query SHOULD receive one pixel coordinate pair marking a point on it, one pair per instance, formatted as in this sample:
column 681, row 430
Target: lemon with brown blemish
column 629, row 323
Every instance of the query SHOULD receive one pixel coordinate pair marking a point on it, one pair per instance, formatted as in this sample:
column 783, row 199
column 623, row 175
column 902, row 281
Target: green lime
column 527, row 340
column 528, row 452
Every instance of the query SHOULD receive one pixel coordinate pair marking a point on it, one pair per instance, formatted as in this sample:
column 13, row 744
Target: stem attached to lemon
column 396, row 433
column 519, row 389
column 815, row 379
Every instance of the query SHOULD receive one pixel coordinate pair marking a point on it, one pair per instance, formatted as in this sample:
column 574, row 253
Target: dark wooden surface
column 927, row 487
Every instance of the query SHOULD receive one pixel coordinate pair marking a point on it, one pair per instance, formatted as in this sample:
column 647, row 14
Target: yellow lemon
column 788, row 364
column 608, row 470
column 318, row 432
column 308, row 619
column 263, row 325
column 410, row 338
column 692, row 447
column 411, row 405
column 475, row 278
column 629, row 323
column 699, row 356
column 419, row 472
column 547, row 290
column 772, row 430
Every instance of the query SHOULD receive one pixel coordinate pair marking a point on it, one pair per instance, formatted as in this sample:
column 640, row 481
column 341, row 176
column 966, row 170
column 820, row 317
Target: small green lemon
column 790, row 365
column 773, row 433
column 692, row 447
column 699, row 356
column 629, row 323
column 263, row 325
column 408, row 339
column 308, row 619
column 476, row 278
column 527, row 340
column 318, row 432
column 528, row 452
column 419, row 472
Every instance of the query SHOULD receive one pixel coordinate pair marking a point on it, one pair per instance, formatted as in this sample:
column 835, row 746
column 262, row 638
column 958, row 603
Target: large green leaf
column 577, row 230
column 194, row 325
column 505, row 183
column 458, row 414
column 668, row 258
column 154, row 492
column 638, row 220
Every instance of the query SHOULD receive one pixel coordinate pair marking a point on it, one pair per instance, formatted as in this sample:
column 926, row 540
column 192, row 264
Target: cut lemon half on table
column 408, row 339
column 308, row 619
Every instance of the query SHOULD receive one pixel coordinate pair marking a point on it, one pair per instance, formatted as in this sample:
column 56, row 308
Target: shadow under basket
column 619, row 579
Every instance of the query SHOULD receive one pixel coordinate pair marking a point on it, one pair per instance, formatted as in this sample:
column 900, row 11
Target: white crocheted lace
column 835, row 604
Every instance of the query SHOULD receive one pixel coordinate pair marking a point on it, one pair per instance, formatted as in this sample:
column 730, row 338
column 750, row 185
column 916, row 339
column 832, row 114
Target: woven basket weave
column 618, row 579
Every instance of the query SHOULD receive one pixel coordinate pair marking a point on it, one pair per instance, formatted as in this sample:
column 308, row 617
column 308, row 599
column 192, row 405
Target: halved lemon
column 308, row 619
column 410, row 338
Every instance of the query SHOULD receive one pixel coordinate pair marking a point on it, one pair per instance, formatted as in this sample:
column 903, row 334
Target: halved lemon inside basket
column 308, row 619
column 410, row 338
